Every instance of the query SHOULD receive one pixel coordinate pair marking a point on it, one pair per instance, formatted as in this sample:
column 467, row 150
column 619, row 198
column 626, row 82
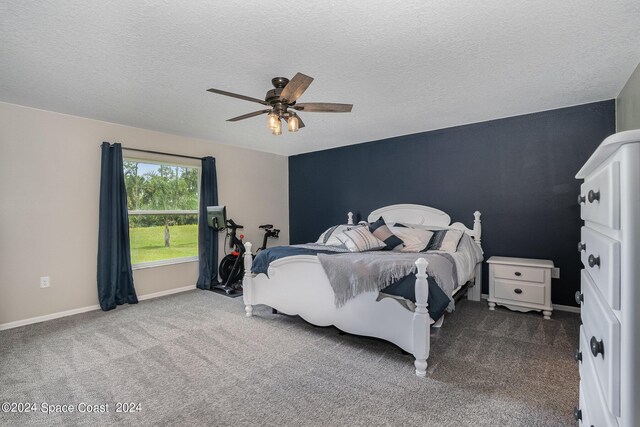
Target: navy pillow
column 382, row 232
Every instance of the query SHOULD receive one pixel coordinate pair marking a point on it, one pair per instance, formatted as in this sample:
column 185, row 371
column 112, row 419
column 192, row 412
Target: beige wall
column 628, row 104
column 49, row 182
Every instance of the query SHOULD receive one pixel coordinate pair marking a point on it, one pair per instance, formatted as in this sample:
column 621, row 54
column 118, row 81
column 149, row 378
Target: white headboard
column 424, row 215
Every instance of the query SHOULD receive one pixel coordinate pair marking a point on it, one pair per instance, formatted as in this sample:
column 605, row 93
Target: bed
column 298, row 285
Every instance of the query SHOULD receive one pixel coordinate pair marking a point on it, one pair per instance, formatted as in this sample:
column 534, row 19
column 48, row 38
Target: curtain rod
column 161, row 153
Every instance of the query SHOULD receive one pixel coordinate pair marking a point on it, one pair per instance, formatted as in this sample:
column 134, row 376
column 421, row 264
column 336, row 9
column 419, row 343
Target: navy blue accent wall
column 519, row 172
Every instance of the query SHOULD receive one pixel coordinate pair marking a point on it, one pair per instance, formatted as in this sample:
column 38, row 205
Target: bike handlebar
column 233, row 225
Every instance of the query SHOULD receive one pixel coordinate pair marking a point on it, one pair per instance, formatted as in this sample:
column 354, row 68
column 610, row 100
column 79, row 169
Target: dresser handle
column 577, row 414
column 581, row 199
column 579, row 297
column 593, row 196
column 577, row 356
column 517, row 291
column 594, row 260
column 517, row 273
column 582, row 246
column 597, row 347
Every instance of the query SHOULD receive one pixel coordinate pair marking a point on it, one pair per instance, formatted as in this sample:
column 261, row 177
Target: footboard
column 299, row 286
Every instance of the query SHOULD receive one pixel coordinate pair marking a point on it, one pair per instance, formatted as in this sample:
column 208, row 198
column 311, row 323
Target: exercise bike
column 269, row 231
column 231, row 267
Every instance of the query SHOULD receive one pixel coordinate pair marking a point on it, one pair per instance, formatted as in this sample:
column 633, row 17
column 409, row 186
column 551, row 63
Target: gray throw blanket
column 351, row 274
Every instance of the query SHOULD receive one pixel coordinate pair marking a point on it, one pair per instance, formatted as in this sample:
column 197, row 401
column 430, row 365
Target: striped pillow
column 445, row 240
column 360, row 239
column 382, row 232
column 330, row 236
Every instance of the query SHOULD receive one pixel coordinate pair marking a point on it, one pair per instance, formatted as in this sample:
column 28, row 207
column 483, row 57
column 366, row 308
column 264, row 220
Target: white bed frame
column 298, row 285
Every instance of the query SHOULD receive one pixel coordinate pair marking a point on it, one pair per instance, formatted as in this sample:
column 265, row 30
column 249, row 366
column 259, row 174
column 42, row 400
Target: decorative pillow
column 415, row 239
column 360, row 239
column 445, row 240
column 330, row 236
column 382, row 232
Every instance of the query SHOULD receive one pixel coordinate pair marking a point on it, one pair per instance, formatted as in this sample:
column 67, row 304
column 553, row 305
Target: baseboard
column 46, row 317
column 167, row 292
column 559, row 307
column 569, row 308
column 38, row 319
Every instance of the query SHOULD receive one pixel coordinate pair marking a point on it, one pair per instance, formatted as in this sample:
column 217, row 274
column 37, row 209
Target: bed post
column 477, row 228
column 421, row 321
column 475, row 292
column 247, row 280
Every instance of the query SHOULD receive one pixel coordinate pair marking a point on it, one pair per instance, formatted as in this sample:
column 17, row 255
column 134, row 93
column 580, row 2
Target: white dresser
column 609, row 350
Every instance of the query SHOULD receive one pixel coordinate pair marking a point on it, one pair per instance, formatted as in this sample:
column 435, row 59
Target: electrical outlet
column 45, row 282
column 555, row 273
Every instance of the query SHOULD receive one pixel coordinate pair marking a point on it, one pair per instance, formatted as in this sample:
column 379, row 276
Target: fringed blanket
column 351, row 274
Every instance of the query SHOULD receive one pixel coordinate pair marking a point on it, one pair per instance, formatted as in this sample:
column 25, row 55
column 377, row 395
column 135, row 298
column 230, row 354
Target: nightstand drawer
column 601, row 258
column 602, row 330
column 519, row 291
column 516, row 272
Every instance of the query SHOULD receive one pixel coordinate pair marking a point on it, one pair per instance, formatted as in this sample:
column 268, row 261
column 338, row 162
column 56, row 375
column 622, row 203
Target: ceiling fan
column 282, row 99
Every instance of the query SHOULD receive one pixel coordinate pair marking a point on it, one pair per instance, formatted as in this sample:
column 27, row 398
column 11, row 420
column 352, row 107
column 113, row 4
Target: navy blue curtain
column 115, row 278
column 207, row 236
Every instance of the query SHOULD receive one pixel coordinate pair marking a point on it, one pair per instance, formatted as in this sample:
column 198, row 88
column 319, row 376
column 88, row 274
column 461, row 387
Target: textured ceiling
column 407, row 66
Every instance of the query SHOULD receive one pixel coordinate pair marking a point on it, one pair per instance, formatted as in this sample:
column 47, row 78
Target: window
column 163, row 212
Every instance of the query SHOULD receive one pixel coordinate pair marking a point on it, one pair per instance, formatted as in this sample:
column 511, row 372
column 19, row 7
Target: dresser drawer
column 593, row 411
column 602, row 330
column 592, row 402
column 601, row 258
column 519, row 291
column 514, row 272
column 600, row 197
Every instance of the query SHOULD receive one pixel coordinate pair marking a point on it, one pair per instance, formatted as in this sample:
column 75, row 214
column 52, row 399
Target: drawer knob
column 594, row 260
column 577, row 414
column 593, row 196
column 517, row 273
column 582, row 246
column 581, row 199
column 579, row 297
column 517, row 291
column 597, row 347
column 578, row 356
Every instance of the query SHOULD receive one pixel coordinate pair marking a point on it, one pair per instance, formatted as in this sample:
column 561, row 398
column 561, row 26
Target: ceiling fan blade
column 300, row 122
column 323, row 107
column 296, row 87
column 235, row 95
column 246, row 116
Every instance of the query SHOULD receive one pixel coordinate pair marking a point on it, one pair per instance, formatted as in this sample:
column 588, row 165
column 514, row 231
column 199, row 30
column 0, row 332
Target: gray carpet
column 194, row 359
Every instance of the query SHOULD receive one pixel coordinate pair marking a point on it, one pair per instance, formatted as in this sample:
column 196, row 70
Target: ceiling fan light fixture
column 293, row 123
column 277, row 130
column 273, row 121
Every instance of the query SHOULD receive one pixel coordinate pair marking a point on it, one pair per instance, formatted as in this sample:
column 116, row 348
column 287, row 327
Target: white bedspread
column 466, row 257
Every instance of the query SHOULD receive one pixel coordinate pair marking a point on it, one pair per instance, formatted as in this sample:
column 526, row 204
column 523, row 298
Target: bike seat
column 266, row 226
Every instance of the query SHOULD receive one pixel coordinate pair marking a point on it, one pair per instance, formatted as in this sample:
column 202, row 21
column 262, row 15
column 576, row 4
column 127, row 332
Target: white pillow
column 415, row 239
column 360, row 239
column 330, row 236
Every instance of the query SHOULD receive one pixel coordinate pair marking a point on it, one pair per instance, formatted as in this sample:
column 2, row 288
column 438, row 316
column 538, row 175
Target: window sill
column 164, row 262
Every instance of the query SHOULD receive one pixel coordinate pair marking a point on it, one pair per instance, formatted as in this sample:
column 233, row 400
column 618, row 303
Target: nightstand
column 520, row 284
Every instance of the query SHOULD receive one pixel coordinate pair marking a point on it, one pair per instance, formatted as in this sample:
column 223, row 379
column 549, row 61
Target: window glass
column 163, row 211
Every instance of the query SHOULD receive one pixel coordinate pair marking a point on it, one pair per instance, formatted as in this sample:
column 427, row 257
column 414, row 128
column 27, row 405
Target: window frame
column 170, row 261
